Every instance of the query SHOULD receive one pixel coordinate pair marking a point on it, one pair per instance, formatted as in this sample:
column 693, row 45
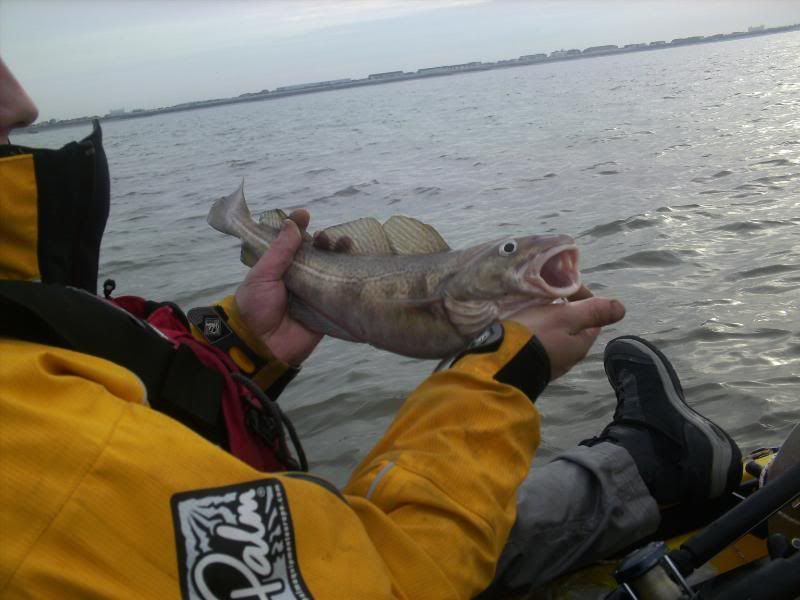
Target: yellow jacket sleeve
column 101, row 496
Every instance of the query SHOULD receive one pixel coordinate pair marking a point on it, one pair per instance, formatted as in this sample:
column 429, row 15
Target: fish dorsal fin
column 273, row 218
column 366, row 238
column 410, row 236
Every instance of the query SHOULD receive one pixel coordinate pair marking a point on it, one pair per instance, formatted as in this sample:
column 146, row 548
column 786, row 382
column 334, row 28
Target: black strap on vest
column 177, row 383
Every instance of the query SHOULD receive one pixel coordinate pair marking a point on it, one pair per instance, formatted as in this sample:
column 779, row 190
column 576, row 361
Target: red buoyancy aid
column 194, row 382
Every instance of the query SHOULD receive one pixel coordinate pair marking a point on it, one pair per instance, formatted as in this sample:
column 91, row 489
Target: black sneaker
column 681, row 456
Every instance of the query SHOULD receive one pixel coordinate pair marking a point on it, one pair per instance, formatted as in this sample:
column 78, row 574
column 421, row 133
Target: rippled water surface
column 678, row 171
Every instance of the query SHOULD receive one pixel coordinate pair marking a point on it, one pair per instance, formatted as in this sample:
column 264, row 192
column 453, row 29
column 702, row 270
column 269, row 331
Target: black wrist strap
column 528, row 370
column 212, row 321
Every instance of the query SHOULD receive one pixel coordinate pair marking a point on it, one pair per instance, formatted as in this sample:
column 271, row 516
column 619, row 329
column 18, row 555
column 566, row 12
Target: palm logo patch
column 237, row 542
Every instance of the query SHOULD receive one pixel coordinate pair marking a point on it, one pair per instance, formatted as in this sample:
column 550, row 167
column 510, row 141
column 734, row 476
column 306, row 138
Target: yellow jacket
column 103, row 497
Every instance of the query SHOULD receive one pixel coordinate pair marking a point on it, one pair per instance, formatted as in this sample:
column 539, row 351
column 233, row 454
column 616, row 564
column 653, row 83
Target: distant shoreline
column 394, row 76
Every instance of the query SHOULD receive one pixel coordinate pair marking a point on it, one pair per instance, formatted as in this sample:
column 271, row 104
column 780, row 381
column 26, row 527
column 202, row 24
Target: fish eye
column 508, row 248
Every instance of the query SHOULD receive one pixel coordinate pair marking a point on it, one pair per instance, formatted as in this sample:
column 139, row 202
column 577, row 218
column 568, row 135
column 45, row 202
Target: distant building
column 755, row 29
column 564, row 53
column 596, row 49
column 634, row 46
column 387, row 75
column 450, row 68
column 249, row 94
column 533, row 57
column 687, row 40
column 115, row 112
column 309, row 86
column 658, row 43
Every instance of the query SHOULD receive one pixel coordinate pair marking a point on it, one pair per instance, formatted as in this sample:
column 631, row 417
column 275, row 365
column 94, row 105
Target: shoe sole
column 721, row 445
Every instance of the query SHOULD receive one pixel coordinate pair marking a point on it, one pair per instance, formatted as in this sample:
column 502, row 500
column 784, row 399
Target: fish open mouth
column 555, row 271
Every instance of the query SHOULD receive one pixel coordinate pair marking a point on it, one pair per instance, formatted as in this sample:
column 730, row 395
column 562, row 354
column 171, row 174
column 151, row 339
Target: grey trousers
column 584, row 505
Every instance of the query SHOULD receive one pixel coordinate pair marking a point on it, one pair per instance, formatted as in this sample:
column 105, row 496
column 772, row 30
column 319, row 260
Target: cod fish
column 398, row 286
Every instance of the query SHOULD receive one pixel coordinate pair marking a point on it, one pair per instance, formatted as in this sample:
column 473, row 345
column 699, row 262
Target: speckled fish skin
column 421, row 305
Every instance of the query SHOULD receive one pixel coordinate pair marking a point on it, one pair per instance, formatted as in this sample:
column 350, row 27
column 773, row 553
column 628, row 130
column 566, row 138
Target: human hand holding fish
column 568, row 330
column 262, row 298
column 396, row 285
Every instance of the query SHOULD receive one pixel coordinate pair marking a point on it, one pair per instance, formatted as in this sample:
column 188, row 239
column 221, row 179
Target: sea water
column 678, row 171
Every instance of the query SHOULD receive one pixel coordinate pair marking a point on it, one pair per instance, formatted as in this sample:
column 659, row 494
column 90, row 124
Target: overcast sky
column 83, row 57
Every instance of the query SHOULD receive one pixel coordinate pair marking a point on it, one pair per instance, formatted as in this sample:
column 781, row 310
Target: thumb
column 277, row 260
column 593, row 313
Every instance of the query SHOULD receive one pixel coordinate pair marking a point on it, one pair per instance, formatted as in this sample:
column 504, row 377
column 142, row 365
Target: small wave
column 777, row 179
column 646, row 258
column 427, row 191
column 320, row 171
column 713, row 331
column 350, row 190
column 237, row 163
column 771, row 289
column 619, row 226
column 751, row 226
column 719, row 302
column 763, row 271
column 709, row 178
column 600, row 164
column 777, row 162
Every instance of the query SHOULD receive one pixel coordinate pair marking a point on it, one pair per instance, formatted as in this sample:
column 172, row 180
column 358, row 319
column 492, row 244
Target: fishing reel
column 654, row 572
column 649, row 574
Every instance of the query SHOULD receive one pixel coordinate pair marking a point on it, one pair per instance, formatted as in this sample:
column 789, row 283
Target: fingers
column 301, row 217
column 323, row 241
column 592, row 314
column 277, row 260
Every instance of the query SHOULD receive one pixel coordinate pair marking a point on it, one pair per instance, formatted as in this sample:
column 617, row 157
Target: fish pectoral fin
column 362, row 237
column 315, row 321
column 470, row 317
column 409, row 236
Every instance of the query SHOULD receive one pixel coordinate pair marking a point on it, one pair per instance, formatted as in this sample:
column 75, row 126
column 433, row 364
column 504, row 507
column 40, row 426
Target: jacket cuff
column 269, row 374
column 519, row 360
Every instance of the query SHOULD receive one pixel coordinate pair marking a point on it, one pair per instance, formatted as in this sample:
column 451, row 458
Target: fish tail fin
column 228, row 213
